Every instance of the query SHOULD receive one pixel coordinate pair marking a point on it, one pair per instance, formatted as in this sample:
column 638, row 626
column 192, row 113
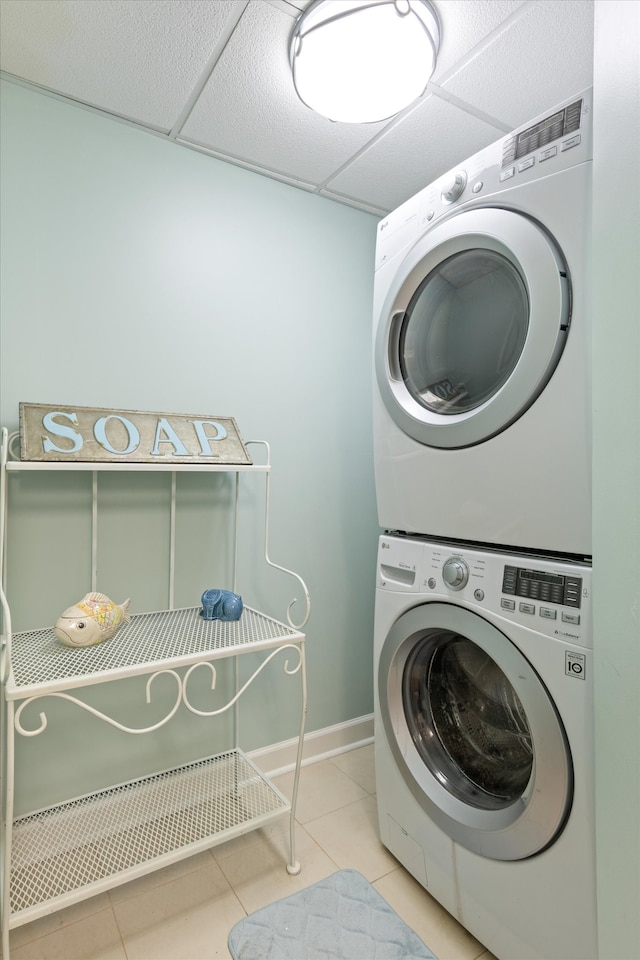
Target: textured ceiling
column 214, row 76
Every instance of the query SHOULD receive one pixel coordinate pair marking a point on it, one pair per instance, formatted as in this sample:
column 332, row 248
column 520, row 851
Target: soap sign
column 86, row 433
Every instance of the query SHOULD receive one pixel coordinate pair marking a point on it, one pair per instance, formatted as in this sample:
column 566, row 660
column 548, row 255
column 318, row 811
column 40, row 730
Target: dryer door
column 474, row 732
column 472, row 328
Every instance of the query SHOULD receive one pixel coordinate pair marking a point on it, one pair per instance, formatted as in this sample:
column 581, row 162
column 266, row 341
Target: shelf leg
column 293, row 867
column 7, row 826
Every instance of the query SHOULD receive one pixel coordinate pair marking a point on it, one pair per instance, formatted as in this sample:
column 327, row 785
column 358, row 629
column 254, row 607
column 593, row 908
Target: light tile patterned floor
column 185, row 911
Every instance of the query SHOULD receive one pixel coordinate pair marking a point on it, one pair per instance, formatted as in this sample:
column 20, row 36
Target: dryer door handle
column 393, row 341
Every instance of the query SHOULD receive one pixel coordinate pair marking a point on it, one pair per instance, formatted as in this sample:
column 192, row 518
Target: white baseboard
column 318, row 745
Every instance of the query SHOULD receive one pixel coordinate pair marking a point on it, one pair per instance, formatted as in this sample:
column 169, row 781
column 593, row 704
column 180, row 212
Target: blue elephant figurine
column 221, row 605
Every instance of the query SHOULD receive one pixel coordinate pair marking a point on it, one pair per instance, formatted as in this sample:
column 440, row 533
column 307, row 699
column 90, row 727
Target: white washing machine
column 481, row 345
column 484, row 740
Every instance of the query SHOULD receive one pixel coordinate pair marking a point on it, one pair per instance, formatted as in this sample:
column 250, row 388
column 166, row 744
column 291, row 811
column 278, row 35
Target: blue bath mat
column 340, row 918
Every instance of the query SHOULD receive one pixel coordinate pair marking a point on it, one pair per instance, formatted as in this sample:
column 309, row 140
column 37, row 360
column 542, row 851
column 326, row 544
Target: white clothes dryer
column 484, row 740
column 481, row 345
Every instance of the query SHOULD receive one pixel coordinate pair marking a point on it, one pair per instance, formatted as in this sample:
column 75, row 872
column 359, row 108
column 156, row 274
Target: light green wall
column 616, row 473
column 138, row 274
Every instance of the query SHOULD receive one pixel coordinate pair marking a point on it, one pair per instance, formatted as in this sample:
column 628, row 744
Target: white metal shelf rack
column 54, row 857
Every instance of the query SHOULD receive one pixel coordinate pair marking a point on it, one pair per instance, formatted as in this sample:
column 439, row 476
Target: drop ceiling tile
column 138, row 60
column 249, row 109
column 417, row 150
column 542, row 57
column 464, row 24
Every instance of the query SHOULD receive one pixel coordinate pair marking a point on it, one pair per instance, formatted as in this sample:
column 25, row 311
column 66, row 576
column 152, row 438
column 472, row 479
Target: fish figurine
column 93, row 619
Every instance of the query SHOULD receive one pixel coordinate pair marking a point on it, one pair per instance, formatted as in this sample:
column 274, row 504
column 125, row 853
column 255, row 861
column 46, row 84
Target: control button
column 477, row 187
column 509, row 150
column 571, row 142
column 455, row 573
column 570, row 617
column 454, row 187
column 526, row 608
column 548, row 613
column 430, row 215
column 571, row 598
column 547, row 154
column 509, row 580
column 529, row 162
column 507, row 174
column 431, row 583
column 478, row 594
column 507, row 604
column 573, row 589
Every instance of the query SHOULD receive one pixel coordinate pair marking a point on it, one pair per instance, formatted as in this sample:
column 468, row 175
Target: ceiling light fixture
column 362, row 61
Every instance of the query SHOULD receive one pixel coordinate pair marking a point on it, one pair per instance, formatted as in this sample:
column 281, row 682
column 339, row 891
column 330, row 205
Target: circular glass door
column 463, row 332
column 473, row 328
column 466, row 721
column 474, row 732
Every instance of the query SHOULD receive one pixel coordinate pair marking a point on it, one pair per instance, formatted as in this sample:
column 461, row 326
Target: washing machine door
column 472, row 328
column 474, row 732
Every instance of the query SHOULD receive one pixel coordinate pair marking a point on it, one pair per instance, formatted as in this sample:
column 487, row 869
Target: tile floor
column 185, row 911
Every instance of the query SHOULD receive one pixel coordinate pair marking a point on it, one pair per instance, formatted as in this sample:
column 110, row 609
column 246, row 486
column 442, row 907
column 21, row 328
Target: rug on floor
column 339, row 918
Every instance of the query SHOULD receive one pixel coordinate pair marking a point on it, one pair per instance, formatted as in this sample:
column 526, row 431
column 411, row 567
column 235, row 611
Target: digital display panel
column 557, row 125
column 542, row 577
column 542, row 586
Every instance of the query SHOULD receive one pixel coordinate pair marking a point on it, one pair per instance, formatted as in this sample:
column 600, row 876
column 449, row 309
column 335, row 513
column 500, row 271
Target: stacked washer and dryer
column 483, row 634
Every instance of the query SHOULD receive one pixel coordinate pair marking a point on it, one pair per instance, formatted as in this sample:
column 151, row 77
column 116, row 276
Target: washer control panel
column 546, row 595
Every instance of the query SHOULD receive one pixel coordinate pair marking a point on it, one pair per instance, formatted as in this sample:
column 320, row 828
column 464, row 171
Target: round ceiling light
column 362, row 61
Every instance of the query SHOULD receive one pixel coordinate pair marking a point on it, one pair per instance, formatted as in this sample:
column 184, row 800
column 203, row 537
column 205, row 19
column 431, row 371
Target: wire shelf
column 41, row 664
column 111, row 836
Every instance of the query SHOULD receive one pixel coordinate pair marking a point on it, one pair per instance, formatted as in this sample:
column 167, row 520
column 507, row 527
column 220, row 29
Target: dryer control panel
column 553, row 142
column 563, row 124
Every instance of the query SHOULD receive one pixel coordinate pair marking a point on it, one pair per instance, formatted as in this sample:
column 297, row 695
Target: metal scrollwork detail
column 97, row 713
column 307, row 599
column 270, row 562
column 289, row 670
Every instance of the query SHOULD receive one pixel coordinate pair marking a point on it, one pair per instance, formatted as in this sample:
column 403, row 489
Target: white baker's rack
column 54, row 857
